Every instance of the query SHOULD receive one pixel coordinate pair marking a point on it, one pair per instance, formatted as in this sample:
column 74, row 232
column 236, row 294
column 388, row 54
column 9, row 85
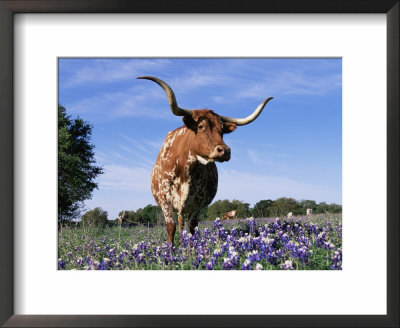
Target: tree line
column 152, row 214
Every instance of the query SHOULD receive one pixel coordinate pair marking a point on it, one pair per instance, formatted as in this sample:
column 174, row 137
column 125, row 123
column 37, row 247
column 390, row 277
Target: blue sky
column 293, row 149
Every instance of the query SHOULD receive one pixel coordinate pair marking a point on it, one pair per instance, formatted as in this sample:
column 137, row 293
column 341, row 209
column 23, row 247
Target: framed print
column 46, row 41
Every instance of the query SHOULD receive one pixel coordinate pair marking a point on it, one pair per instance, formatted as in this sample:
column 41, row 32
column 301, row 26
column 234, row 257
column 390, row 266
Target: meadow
column 299, row 243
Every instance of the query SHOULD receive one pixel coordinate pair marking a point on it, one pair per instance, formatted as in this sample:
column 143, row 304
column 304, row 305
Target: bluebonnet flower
column 79, row 261
column 233, row 256
column 111, row 252
column 288, row 265
column 302, row 254
column 217, row 252
column 61, row 264
column 140, row 258
column 124, row 253
column 259, row 267
column 284, row 237
column 253, row 256
column 252, row 224
column 233, row 232
column 328, row 245
column 336, row 260
column 246, row 265
column 209, row 265
column 227, row 265
column 320, row 239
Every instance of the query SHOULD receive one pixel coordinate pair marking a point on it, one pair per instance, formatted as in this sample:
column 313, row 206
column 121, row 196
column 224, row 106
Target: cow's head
column 207, row 127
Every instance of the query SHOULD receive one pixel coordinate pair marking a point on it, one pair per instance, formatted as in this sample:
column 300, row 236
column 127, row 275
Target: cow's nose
column 223, row 152
column 220, row 150
column 227, row 153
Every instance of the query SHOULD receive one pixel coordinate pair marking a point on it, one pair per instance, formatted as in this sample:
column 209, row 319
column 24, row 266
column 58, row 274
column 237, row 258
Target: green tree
column 203, row 214
column 322, row 208
column 76, row 165
column 127, row 216
column 138, row 216
column 282, row 206
column 334, row 208
column 95, row 217
column 262, row 209
column 307, row 203
column 243, row 209
column 150, row 213
column 220, row 207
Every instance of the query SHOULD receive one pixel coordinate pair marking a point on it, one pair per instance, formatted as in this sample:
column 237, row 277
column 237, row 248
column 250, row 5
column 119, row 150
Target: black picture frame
column 10, row 7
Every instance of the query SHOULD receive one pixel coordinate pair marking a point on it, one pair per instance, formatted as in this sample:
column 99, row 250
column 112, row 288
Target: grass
column 299, row 243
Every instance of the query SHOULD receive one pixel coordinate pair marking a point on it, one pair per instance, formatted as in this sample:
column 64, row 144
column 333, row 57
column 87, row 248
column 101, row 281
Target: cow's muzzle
column 221, row 153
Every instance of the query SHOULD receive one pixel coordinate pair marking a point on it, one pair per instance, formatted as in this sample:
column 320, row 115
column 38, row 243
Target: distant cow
column 309, row 211
column 290, row 214
column 123, row 217
column 185, row 177
column 229, row 215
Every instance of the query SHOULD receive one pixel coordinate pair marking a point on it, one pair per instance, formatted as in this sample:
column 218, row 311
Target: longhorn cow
column 185, row 177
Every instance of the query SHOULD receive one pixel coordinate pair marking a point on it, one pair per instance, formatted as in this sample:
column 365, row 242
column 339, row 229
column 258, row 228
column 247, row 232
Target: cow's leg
column 180, row 222
column 171, row 227
column 194, row 220
column 169, row 221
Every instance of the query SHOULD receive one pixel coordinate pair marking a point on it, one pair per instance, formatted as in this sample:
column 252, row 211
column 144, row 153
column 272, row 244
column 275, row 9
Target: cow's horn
column 248, row 119
column 171, row 96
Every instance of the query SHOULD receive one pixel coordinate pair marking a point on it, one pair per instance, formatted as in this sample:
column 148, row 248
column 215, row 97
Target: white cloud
column 253, row 156
column 311, row 78
column 199, row 78
column 136, row 144
column 111, row 70
column 136, row 157
column 122, row 104
column 154, row 144
column 292, row 83
column 121, row 178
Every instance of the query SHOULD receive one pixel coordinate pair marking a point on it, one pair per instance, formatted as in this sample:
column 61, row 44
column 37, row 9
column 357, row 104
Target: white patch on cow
column 181, row 131
column 169, row 174
column 179, row 199
column 203, row 160
column 169, row 140
column 168, row 220
column 191, row 158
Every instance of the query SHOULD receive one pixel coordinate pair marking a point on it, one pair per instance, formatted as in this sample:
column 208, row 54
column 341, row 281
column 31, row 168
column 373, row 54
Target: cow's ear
column 228, row 127
column 190, row 122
